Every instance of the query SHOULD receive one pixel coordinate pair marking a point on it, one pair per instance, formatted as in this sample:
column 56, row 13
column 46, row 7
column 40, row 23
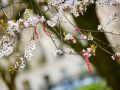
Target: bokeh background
column 46, row 71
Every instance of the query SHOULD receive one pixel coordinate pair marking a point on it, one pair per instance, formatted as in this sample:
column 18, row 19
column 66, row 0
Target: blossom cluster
column 86, row 36
column 55, row 19
column 33, row 21
column 13, row 27
column 90, row 51
column 107, row 2
column 75, row 7
column 16, row 27
column 7, row 42
column 27, row 55
column 87, row 54
column 69, row 37
column 6, row 47
column 21, row 63
column 116, row 56
column 28, row 50
column 58, row 52
column 70, row 6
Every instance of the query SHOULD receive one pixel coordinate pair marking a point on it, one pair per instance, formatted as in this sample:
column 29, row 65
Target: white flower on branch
column 22, row 65
column 32, row 21
column 74, row 7
column 100, row 27
column 9, row 50
column 116, row 56
column 6, row 46
column 13, row 27
column 26, row 23
column 58, row 52
column 6, row 50
column 107, row 2
column 54, row 20
column 83, row 37
column 68, row 37
column 28, row 55
column 28, row 50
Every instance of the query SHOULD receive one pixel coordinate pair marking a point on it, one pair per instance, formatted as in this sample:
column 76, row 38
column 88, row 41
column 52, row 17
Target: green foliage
column 97, row 86
column 90, row 87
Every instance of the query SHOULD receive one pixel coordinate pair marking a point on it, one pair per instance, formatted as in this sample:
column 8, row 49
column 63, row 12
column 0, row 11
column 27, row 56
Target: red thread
column 36, row 33
column 44, row 27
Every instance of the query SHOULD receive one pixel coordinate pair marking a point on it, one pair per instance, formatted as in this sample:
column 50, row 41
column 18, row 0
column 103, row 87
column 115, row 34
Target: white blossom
column 28, row 50
column 22, row 65
column 68, row 37
column 12, row 27
column 74, row 7
column 116, row 56
column 6, row 50
column 100, row 27
column 107, row 2
column 83, row 37
column 26, row 23
column 32, row 21
column 58, row 52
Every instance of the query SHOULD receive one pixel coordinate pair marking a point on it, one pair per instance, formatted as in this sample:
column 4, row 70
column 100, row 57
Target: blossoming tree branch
column 62, row 9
